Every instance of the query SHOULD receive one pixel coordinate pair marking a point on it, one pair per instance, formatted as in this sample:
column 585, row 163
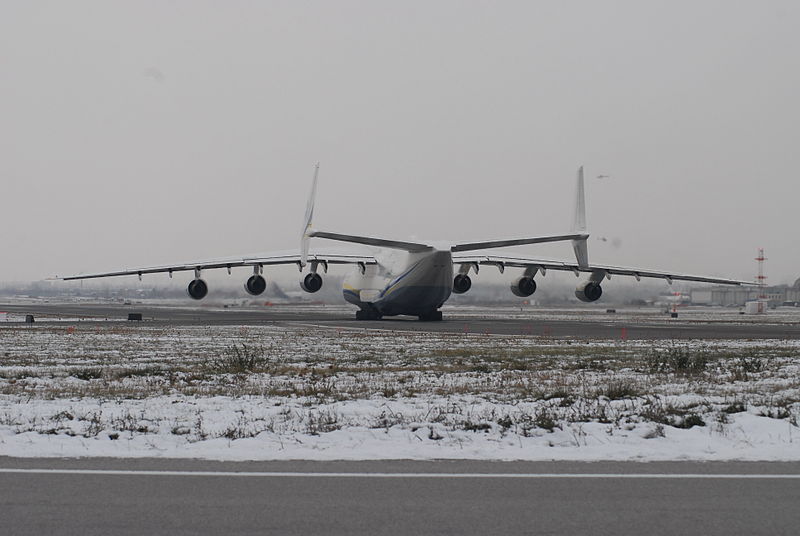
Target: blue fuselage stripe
column 398, row 279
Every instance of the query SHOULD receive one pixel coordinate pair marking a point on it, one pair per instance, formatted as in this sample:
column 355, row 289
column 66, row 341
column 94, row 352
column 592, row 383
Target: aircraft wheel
column 363, row 314
column 433, row 316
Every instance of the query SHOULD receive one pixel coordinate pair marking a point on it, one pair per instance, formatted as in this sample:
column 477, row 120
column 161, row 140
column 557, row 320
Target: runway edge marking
column 290, row 474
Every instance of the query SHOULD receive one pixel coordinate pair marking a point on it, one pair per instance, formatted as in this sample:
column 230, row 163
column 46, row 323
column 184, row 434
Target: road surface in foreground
column 108, row 496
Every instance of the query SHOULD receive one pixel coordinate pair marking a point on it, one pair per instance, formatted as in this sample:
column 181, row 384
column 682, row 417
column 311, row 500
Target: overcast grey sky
column 141, row 133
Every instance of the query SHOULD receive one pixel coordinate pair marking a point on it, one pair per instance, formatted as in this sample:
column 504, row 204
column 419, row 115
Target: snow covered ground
column 269, row 392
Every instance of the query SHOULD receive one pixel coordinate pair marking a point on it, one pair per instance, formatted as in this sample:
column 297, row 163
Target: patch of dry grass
column 576, row 382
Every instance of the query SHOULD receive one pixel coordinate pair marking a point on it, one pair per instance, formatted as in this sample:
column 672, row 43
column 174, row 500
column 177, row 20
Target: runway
column 156, row 496
column 490, row 322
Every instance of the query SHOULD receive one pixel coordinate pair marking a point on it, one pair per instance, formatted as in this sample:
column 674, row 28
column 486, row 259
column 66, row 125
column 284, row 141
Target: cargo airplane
column 416, row 279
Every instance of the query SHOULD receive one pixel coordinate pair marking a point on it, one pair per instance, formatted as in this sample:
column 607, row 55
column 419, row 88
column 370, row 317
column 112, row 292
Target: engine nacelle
column 311, row 282
column 523, row 286
column 589, row 291
column 197, row 289
column 461, row 283
column 255, row 285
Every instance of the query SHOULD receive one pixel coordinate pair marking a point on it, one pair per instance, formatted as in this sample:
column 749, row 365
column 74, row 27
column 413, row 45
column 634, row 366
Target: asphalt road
column 396, row 497
column 605, row 328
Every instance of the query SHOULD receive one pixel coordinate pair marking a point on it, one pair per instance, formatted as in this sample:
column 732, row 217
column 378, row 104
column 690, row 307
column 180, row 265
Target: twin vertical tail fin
column 308, row 220
column 579, row 245
column 579, row 224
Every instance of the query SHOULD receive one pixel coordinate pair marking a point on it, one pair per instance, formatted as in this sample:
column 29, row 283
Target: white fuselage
column 402, row 283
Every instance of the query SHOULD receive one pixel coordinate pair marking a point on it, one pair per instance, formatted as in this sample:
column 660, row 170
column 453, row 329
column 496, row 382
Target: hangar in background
column 725, row 296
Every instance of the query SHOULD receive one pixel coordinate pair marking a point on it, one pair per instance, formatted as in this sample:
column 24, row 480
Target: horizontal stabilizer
column 371, row 241
column 473, row 246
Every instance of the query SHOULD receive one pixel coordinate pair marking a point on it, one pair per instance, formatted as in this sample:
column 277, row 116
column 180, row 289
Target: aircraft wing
column 598, row 271
column 233, row 262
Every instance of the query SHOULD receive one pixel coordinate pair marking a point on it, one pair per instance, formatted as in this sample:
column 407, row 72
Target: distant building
column 726, row 296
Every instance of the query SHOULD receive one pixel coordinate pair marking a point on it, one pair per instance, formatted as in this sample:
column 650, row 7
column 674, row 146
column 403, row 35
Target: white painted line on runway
column 297, row 474
column 362, row 329
column 392, row 331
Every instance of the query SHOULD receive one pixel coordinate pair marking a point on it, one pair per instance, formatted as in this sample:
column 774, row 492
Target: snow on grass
column 627, row 314
column 274, row 392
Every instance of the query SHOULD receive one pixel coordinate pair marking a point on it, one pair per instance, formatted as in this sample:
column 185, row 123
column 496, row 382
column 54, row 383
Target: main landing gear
column 371, row 314
column 368, row 314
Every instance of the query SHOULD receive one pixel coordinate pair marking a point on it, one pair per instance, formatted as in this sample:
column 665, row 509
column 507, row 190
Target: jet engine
column 255, row 285
column 311, row 282
column 523, row 286
column 197, row 289
column 588, row 291
column 461, row 283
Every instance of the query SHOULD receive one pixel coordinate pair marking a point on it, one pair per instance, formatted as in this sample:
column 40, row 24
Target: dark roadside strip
column 402, row 468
